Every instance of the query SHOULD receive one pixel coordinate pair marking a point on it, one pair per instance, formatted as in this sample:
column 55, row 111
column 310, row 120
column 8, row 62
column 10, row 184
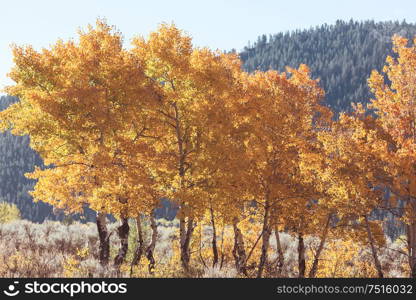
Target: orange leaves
column 165, row 53
column 395, row 106
column 79, row 84
column 168, row 119
column 85, row 104
column 279, row 111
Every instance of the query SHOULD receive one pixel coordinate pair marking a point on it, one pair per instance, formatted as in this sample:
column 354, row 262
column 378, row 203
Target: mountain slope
column 341, row 55
column 16, row 159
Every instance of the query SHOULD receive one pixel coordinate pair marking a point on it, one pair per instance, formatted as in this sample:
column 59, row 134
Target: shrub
column 8, row 212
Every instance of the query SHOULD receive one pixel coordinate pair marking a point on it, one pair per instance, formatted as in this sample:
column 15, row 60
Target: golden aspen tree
column 224, row 161
column 282, row 113
column 82, row 104
column 193, row 85
column 395, row 107
column 352, row 174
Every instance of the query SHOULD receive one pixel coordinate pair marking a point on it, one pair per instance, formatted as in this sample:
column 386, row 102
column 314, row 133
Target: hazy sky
column 214, row 23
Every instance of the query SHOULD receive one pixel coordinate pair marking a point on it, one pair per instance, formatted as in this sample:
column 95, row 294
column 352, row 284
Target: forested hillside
column 17, row 158
column 341, row 55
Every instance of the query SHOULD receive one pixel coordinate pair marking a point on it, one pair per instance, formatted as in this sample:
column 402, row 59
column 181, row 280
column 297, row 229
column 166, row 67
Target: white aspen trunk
column 373, row 248
column 123, row 233
column 314, row 268
column 239, row 251
column 104, row 237
column 151, row 248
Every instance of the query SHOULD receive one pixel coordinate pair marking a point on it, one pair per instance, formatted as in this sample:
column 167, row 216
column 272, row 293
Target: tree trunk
column 411, row 237
column 123, row 233
column 151, row 248
column 411, row 242
column 301, row 256
column 373, row 248
column 314, row 268
column 281, row 256
column 214, row 239
column 266, row 232
column 186, row 229
column 104, row 237
column 239, row 251
column 222, row 247
column 140, row 245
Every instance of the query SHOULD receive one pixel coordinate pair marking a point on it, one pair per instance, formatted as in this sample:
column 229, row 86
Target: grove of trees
column 118, row 129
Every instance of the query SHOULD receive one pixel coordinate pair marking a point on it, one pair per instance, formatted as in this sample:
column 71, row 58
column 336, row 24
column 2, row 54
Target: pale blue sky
column 217, row 24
